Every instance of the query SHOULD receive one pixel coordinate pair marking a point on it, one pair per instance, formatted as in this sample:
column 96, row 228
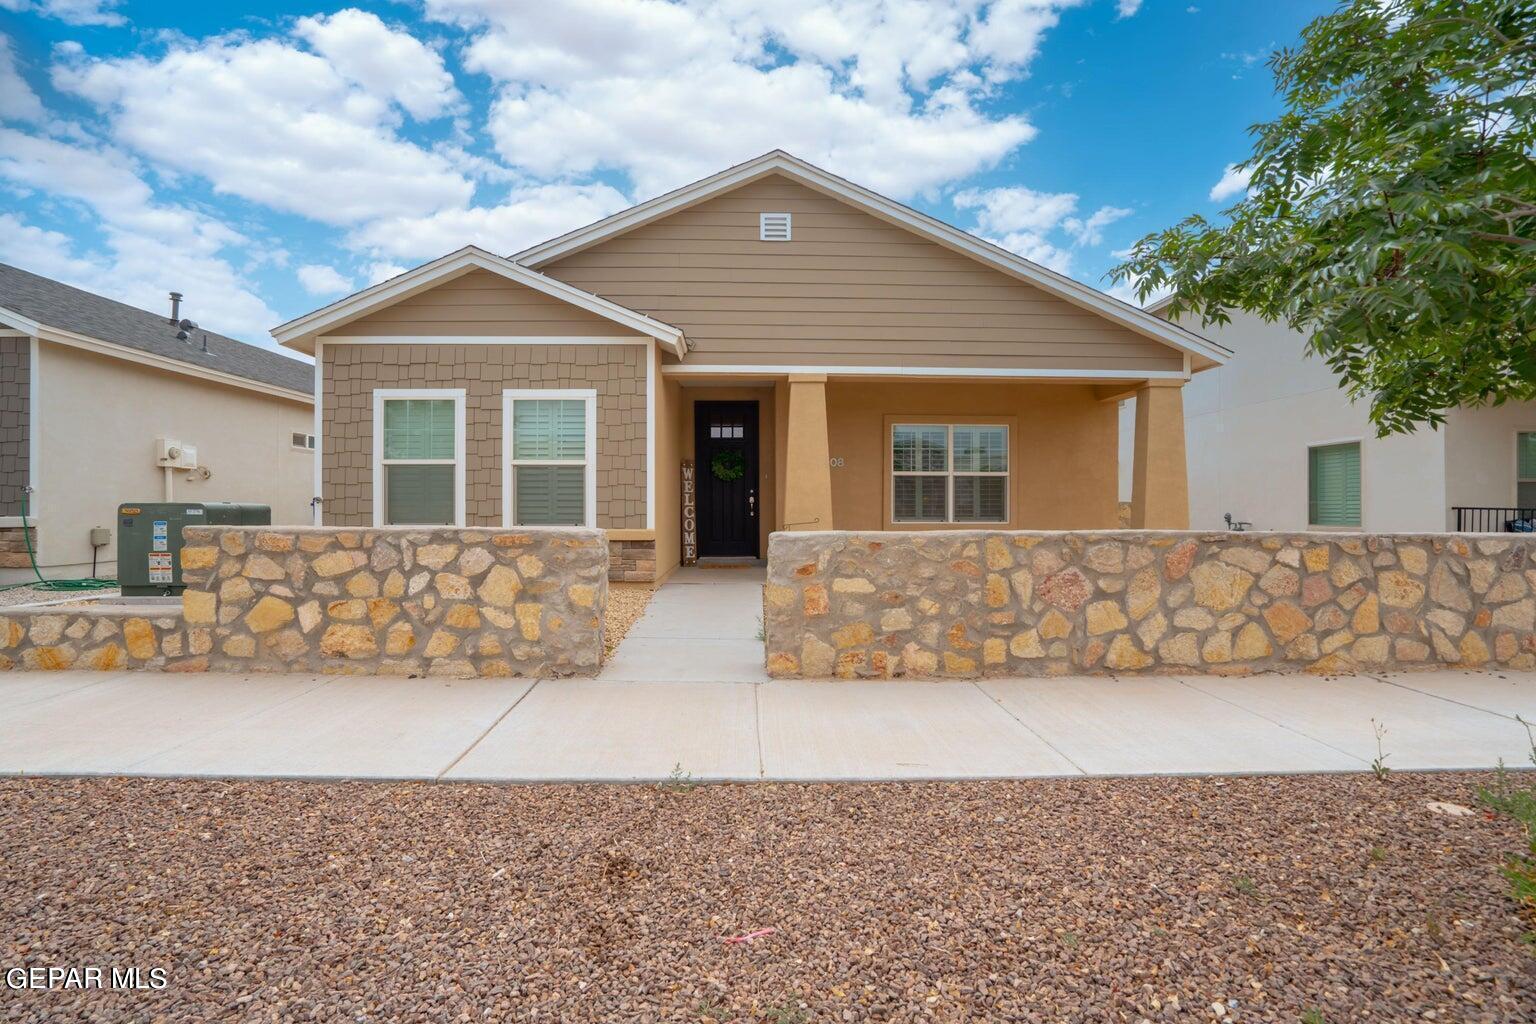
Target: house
column 1273, row 441
column 91, row 388
column 770, row 348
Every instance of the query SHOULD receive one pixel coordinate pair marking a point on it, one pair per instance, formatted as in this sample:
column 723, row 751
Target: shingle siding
column 352, row 371
column 15, row 422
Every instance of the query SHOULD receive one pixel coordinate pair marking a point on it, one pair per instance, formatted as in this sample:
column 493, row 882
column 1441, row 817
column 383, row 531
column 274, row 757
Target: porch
column 742, row 456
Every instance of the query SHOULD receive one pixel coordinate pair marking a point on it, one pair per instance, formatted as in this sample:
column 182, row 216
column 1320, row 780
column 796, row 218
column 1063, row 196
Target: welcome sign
column 690, row 515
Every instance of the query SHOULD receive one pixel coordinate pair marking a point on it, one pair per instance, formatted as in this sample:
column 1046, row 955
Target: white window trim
column 1307, row 491
column 382, row 395
column 303, row 448
column 949, row 472
column 586, row 395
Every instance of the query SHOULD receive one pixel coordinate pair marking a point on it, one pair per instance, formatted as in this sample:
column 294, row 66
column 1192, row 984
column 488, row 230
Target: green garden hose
column 67, row 586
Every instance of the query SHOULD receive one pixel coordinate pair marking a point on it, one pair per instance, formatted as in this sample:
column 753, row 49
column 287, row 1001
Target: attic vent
column 773, row 227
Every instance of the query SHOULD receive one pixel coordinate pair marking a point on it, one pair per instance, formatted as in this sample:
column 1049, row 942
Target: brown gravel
column 626, row 603
column 1049, row 901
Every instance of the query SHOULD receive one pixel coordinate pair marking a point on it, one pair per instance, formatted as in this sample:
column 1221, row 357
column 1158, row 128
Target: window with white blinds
column 419, row 452
column 942, row 473
column 550, row 472
column 1333, row 487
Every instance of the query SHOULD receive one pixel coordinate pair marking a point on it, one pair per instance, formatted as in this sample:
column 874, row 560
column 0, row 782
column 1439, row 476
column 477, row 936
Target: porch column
column 1160, row 475
column 807, row 456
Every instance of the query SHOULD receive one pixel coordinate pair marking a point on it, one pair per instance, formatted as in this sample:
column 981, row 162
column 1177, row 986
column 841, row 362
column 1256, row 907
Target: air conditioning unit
column 175, row 454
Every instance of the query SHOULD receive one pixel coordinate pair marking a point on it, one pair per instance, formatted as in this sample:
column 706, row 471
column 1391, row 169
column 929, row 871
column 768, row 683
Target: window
column 1525, row 470
column 550, row 478
column 949, row 474
column 304, row 442
column 1333, row 484
column 418, row 449
column 773, row 227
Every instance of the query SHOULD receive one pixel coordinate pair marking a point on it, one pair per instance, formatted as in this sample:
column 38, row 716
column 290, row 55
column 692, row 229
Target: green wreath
column 728, row 465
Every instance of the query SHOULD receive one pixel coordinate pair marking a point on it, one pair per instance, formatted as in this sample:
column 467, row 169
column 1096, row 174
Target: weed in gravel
column 679, row 781
column 1313, row 1016
column 1379, row 766
column 1519, row 803
column 712, row 1011
column 1245, row 885
column 785, row 1014
column 1068, row 939
column 762, row 631
column 1378, row 854
column 1432, row 928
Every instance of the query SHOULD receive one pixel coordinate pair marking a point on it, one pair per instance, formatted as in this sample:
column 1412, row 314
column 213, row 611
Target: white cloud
column 382, row 271
column 1233, row 180
column 383, row 61
column 888, row 93
column 269, row 122
column 71, row 12
column 1021, row 220
column 531, row 214
column 1127, row 8
column 319, row 279
column 17, row 100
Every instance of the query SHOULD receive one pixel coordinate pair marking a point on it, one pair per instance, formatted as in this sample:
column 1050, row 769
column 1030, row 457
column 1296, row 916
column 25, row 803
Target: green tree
column 1391, row 212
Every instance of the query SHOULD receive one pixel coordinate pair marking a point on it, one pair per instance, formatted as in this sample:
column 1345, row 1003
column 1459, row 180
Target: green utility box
column 149, row 539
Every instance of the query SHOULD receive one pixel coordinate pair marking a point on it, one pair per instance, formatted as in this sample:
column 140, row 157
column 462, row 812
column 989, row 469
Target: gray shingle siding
column 15, row 421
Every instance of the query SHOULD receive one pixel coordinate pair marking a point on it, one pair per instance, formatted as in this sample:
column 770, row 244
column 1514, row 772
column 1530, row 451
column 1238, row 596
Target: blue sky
column 267, row 159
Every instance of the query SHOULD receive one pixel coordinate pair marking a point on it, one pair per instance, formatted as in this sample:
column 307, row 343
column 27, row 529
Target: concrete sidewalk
column 627, row 730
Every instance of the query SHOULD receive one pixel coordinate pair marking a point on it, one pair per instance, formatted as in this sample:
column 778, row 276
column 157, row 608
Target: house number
column 836, row 463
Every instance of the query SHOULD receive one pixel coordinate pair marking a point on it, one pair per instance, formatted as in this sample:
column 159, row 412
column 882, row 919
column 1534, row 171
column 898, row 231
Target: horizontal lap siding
column 849, row 289
column 483, row 303
column 352, row 371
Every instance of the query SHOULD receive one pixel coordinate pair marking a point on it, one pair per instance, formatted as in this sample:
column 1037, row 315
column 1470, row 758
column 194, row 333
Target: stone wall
column 403, row 601
column 13, row 546
column 103, row 638
column 971, row 603
column 399, row 601
column 632, row 561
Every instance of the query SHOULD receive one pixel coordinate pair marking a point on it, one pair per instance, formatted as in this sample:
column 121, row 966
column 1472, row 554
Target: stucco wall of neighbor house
column 1248, row 426
column 482, row 303
column 351, row 372
column 15, row 413
column 968, row 603
column 98, row 419
column 1062, row 459
column 1480, row 467
column 847, row 289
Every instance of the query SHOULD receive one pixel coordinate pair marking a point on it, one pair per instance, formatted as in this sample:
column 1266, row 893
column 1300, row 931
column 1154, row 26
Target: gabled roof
column 300, row 333
column 780, row 162
column 48, row 309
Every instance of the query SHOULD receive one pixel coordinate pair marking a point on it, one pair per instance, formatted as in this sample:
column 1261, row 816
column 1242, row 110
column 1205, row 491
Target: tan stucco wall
column 350, row 372
column 849, row 289
column 98, row 418
column 669, row 454
column 1062, row 448
column 483, row 303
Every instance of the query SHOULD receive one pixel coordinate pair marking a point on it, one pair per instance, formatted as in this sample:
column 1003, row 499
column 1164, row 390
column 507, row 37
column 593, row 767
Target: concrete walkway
column 702, row 624
column 618, row 728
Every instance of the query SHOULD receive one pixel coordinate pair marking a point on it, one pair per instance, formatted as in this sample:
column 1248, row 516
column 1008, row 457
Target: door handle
column 752, row 504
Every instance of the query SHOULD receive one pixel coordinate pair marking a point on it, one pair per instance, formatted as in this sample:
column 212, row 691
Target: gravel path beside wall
column 1048, row 901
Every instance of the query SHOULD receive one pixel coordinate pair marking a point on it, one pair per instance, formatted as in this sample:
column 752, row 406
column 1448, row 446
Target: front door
column 725, row 457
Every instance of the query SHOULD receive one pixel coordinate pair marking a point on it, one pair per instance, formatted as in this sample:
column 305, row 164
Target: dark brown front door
column 725, row 454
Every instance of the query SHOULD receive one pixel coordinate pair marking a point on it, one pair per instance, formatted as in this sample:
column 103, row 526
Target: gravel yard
column 32, row 595
column 626, row 603
column 1303, row 899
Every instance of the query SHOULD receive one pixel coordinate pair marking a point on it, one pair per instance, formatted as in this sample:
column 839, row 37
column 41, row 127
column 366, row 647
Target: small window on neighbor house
column 550, row 461
column 773, row 227
column 420, row 461
column 1333, row 485
column 304, row 441
column 949, row 474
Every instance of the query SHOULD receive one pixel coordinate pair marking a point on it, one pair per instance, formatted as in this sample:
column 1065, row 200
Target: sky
column 267, row 159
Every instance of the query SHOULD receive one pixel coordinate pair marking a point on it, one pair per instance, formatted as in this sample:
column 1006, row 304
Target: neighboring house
column 822, row 356
column 1274, row 441
column 89, row 388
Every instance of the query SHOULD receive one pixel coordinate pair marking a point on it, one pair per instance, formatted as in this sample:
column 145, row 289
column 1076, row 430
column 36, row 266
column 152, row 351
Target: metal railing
column 1487, row 519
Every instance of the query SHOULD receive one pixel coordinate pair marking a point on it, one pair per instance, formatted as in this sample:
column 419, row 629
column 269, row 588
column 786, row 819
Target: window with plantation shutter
column 1525, row 470
column 949, row 474
column 1333, row 489
column 550, row 471
column 419, row 449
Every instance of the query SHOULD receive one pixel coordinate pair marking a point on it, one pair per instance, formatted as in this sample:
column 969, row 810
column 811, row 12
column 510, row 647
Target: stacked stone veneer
column 444, row 602
column 632, row 561
column 972, row 603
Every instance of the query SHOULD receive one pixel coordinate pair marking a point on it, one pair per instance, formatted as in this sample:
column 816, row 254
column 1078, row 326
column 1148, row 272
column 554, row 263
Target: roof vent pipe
column 175, row 307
